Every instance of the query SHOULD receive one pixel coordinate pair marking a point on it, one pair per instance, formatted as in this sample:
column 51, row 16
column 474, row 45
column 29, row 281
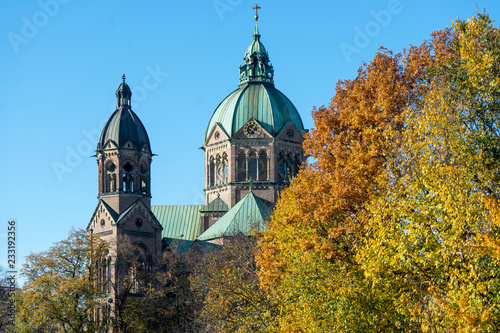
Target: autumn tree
column 309, row 255
column 59, row 290
column 206, row 288
column 5, row 313
column 127, row 273
column 227, row 282
column 433, row 238
column 170, row 304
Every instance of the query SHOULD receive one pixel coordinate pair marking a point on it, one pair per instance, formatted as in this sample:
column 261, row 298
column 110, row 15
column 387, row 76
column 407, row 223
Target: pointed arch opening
column 241, row 166
column 211, row 171
column 222, row 169
column 110, row 184
column 128, row 177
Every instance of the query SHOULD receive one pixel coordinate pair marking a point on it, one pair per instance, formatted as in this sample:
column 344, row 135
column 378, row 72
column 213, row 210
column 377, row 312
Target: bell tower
column 124, row 156
column 123, row 216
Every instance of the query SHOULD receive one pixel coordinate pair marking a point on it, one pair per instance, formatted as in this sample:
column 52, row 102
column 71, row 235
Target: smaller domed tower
column 123, row 214
column 124, row 156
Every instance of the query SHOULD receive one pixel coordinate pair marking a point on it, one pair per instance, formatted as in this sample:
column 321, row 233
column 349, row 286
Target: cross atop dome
column 256, row 7
column 257, row 67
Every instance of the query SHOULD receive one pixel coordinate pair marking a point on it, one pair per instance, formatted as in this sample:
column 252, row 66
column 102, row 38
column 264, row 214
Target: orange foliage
column 351, row 143
column 321, row 215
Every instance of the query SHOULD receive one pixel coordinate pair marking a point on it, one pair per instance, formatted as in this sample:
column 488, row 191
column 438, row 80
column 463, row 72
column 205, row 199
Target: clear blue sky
column 62, row 60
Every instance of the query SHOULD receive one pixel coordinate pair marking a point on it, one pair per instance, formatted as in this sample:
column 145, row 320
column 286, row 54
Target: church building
column 252, row 147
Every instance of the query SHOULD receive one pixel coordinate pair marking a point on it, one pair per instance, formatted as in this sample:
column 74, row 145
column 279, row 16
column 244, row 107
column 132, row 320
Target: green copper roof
column 257, row 67
column 266, row 104
column 248, row 214
column 256, row 48
column 179, row 221
column 180, row 246
column 217, row 205
column 256, row 96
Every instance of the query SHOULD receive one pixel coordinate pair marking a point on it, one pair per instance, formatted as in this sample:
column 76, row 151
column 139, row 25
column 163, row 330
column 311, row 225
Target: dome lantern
column 123, row 94
column 257, row 67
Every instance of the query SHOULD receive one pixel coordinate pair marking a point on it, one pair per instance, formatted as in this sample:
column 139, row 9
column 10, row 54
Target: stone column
column 236, row 171
column 258, row 169
column 268, row 165
column 246, row 166
column 209, row 178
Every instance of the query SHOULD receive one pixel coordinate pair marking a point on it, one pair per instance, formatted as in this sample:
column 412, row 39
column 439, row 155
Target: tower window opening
column 256, row 166
column 285, row 167
column 241, row 171
column 128, row 178
column 252, row 168
column 110, row 177
column 211, row 172
column 263, row 162
column 143, row 170
column 222, row 170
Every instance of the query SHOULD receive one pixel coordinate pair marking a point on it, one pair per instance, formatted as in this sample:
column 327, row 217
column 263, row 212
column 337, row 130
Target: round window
column 138, row 223
column 128, row 167
column 110, row 166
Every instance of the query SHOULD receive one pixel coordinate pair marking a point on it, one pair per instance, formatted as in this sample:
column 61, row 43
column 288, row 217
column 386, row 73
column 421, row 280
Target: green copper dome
column 256, row 97
column 261, row 101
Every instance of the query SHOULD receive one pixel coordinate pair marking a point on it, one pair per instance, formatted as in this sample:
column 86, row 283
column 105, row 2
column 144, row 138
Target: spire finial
column 123, row 78
column 250, row 183
column 256, row 7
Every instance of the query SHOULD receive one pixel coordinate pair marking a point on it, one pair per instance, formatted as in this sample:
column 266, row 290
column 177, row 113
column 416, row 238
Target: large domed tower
column 254, row 137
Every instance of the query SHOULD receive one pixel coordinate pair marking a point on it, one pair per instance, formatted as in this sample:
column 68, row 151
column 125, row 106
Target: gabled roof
column 217, row 205
column 180, row 246
column 179, row 221
column 118, row 219
column 248, row 214
column 111, row 211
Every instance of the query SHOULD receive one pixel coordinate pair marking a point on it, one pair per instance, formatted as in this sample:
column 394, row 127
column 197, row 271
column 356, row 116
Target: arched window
column 222, row 169
column 263, row 161
column 241, row 167
column 143, row 181
column 284, row 167
column 257, row 166
column 110, row 185
column 253, row 166
column 128, row 177
column 211, row 172
column 297, row 164
column 139, row 269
